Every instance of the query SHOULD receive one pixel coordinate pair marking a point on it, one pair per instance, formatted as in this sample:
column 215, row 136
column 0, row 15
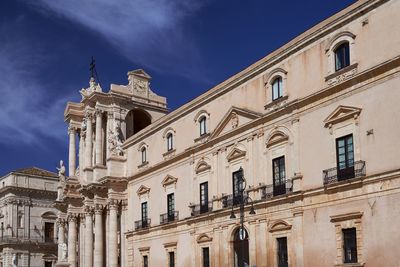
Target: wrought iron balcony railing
column 142, row 224
column 273, row 190
column 334, row 175
column 33, row 239
column 169, row 217
column 200, row 209
column 229, row 200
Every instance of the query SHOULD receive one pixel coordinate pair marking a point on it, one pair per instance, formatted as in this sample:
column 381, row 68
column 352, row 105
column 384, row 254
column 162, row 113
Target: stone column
column 81, row 151
column 122, row 238
column 109, row 127
column 61, row 239
column 72, row 151
column 72, row 240
column 98, row 236
column 88, row 237
column 99, row 139
column 89, row 145
column 113, row 234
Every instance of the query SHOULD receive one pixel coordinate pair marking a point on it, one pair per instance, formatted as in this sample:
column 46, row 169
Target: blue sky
column 188, row 46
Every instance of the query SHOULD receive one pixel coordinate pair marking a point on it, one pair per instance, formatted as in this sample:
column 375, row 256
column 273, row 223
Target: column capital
column 112, row 204
column 72, row 217
column 124, row 204
column 110, row 115
column 98, row 112
column 72, row 129
column 88, row 115
column 61, row 222
column 98, row 209
column 88, row 210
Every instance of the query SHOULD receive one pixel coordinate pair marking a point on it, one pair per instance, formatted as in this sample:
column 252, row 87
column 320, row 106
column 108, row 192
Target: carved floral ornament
column 168, row 180
column 342, row 113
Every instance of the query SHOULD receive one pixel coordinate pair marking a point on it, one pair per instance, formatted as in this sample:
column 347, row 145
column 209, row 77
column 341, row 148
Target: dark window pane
column 342, row 56
column 282, row 252
column 145, row 261
column 206, row 257
column 277, row 88
column 350, row 245
column 345, row 157
column 171, row 259
column 204, row 197
column 171, row 207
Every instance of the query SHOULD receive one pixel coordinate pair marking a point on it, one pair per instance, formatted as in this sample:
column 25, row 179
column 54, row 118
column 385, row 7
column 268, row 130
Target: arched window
column 170, row 142
column 342, row 56
column 202, row 124
column 277, row 88
column 144, row 155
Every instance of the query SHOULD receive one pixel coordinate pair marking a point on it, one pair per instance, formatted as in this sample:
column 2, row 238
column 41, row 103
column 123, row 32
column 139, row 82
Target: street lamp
column 241, row 200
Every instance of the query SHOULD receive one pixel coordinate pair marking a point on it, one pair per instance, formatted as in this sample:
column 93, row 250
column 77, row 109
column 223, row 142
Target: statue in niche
column 234, row 120
column 64, row 251
column 115, row 142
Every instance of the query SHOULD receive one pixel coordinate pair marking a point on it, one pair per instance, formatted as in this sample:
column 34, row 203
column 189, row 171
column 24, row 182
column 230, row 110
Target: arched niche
column 136, row 120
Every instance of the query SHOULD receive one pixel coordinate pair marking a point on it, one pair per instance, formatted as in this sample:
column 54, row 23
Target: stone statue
column 14, row 260
column 93, row 86
column 234, row 120
column 115, row 142
column 61, row 171
column 64, row 250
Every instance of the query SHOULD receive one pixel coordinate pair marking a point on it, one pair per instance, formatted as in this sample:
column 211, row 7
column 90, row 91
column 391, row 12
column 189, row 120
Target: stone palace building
column 27, row 218
column 313, row 127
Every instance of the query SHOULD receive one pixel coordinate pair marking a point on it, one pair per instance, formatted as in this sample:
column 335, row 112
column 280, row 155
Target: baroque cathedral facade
column 293, row 161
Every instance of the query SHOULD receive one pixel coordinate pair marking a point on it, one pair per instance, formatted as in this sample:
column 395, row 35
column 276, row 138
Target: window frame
column 348, row 171
column 170, row 141
column 143, row 152
column 171, row 258
column 171, row 206
column 351, row 233
column 279, row 81
column 205, row 256
column 204, row 197
column 342, row 55
column 203, row 125
column 144, row 213
column 145, row 260
column 282, row 255
column 279, row 177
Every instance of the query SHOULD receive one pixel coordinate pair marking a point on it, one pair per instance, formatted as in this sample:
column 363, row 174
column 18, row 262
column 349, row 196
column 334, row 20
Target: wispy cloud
column 27, row 115
column 151, row 33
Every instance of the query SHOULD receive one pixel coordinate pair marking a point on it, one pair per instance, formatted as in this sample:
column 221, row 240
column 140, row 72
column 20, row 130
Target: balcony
column 229, row 200
column 142, row 224
column 334, row 175
column 273, row 190
column 36, row 239
column 169, row 217
column 201, row 209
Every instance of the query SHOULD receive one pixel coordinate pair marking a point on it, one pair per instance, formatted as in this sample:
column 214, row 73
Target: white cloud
column 27, row 115
column 147, row 32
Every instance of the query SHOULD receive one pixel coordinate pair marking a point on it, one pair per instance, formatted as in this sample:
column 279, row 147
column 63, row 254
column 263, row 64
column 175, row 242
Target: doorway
column 241, row 248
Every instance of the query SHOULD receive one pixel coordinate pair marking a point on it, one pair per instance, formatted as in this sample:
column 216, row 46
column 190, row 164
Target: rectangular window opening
column 350, row 245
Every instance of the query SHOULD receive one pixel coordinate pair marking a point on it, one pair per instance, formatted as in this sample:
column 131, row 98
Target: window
column 277, row 88
column 202, row 124
column 144, row 155
column 237, row 184
column 206, row 257
column 278, row 172
column 282, row 252
column 171, row 207
column 171, row 259
column 342, row 56
column 204, row 197
column 144, row 214
column 349, row 245
column 20, row 219
column 145, row 261
column 170, row 142
column 345, row 157
column 48, row 232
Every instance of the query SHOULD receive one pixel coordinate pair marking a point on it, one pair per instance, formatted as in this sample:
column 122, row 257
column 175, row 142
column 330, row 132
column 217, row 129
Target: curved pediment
column 235, row 153
column 279, row 225
column 143, row 190
column 204, row 238
column 342, row 113
column 202, row 166
column 277, row 138
column 169, row 180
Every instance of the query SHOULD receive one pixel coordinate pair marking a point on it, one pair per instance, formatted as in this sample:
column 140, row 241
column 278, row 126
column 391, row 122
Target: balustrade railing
column 142, row 224
column 272, row 190
column 334, row 175
column 169, row 217
column 200, row 209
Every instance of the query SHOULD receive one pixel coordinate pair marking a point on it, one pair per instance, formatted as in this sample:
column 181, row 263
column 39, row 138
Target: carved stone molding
column 342, row 75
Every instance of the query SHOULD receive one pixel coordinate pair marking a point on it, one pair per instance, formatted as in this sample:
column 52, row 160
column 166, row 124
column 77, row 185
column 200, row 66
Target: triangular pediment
column 233, row 119
column 342, row 113
column 140, row 73
column 143, row 190
column 235, row 153
column 169, row 180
